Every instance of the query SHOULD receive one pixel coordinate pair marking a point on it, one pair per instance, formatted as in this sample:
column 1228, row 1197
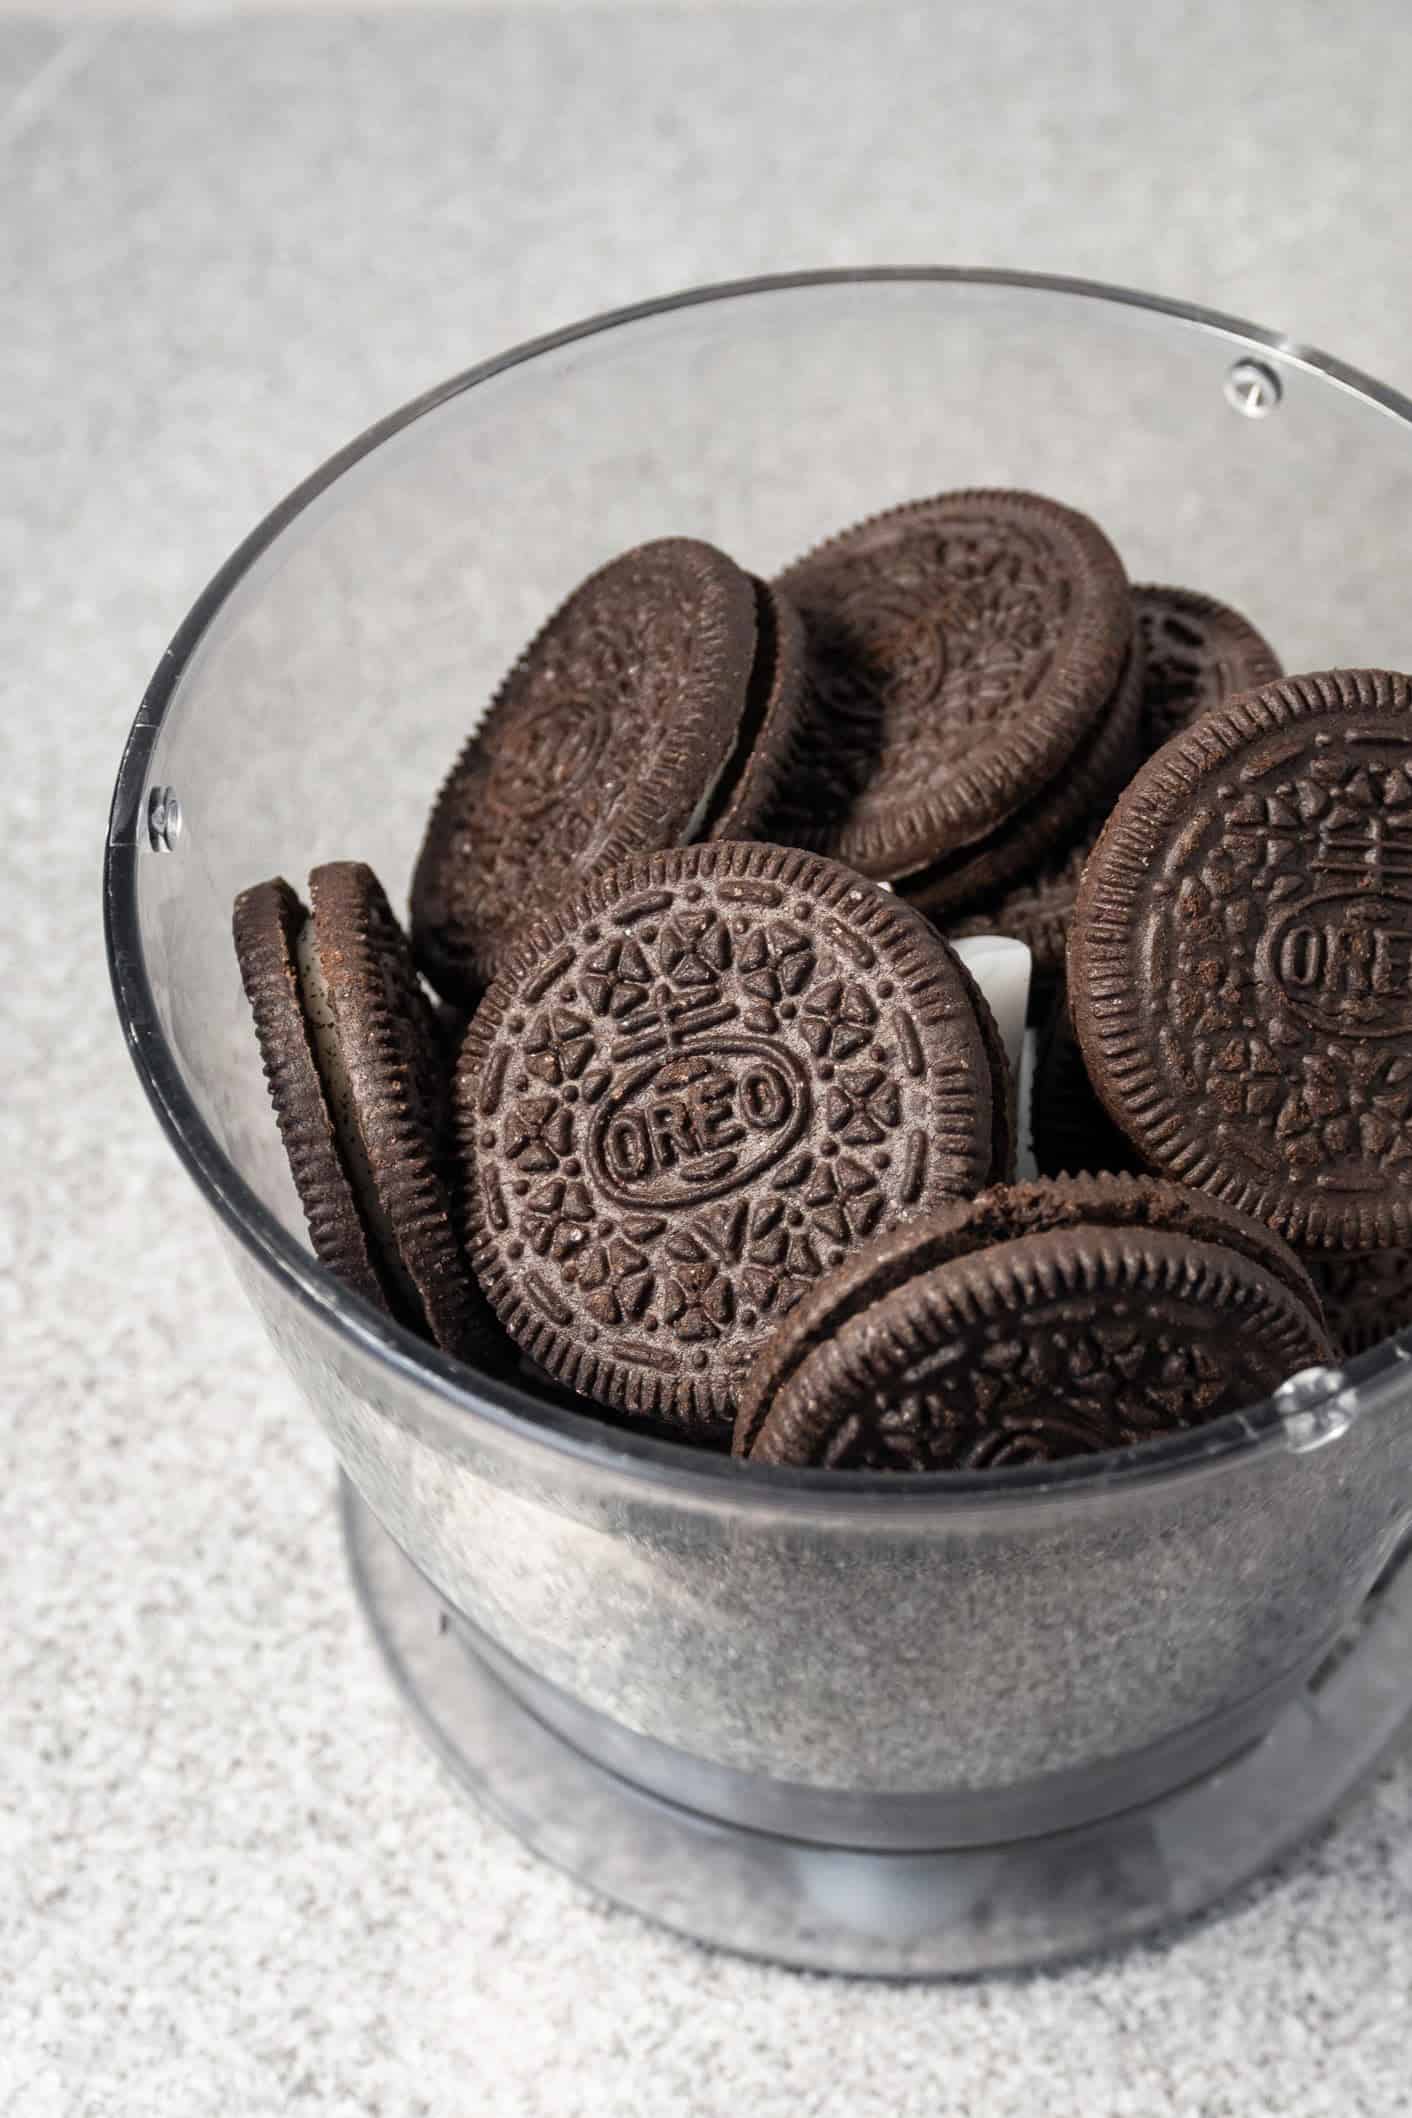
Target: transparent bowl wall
column 913, row 1662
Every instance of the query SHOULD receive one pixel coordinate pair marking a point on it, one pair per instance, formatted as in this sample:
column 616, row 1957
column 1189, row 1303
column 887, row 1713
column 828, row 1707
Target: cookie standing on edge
column 1240, row 961
column 360, row 1090
column 1196, row 653
column 1039, row 1321
column 690, row 1094
column 959, row 650
column 1089, row 784
column 653, row 708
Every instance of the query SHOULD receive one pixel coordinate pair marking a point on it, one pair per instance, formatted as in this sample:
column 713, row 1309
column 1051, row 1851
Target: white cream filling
column 339, row 1094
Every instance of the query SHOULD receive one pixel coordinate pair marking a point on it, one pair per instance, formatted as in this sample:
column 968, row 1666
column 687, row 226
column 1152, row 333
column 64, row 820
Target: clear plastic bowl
column 782, row 1710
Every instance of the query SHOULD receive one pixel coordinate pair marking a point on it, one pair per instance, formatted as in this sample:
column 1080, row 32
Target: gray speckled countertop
column 232, row 1879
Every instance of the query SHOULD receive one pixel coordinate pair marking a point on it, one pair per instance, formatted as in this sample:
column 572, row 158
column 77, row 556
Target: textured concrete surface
column 231, row 1878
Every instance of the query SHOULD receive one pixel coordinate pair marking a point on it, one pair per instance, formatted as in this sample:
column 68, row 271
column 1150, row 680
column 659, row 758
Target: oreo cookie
column 1038, row 1322
column 694, row 1091
column 1240, row 962
column 360, row 1087
column 653, row 708
column 1099, row 769
column 959, row 651
column 1195, row 653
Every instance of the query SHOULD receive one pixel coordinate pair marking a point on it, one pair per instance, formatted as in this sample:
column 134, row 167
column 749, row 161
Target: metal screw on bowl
column 1252, row 389
column 1316, row 1410
column 163, row 819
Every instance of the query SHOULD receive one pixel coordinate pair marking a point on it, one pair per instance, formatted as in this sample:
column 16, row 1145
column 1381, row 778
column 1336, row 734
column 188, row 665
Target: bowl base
column 947, row 1913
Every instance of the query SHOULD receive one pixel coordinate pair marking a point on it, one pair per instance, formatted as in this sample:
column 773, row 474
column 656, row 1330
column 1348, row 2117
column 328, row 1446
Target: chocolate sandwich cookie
column 902, row 1256
column 360, row 1090
column 691, row 1093
column 1240, row 961
column 1366, row 1300
column 1195, row 654
column 1043, row 1321
column 653, row 708
column 1041, row 828
column 959, row 650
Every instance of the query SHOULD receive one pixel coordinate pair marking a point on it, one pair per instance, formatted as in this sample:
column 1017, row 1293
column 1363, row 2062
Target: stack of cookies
column 708, row 1127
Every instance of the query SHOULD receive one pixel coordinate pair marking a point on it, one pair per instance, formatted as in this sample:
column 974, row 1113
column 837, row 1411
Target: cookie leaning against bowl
column 1039, row 1321
column 692, row 1092
column 1196, row 654
column 958, row 652
column 1000, row 1215
column 654, row 707
column 360, row 1090
column 1240, row 960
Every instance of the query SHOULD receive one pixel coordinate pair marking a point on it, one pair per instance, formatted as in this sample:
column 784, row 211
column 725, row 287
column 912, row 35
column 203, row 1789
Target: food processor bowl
column 912, row 1725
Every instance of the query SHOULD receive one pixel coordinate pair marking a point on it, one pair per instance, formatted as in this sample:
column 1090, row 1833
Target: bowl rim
column 455, row 1391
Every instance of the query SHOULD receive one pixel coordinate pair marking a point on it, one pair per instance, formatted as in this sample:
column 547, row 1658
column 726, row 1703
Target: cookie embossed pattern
column 693, row 1093
column 1241, row 960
